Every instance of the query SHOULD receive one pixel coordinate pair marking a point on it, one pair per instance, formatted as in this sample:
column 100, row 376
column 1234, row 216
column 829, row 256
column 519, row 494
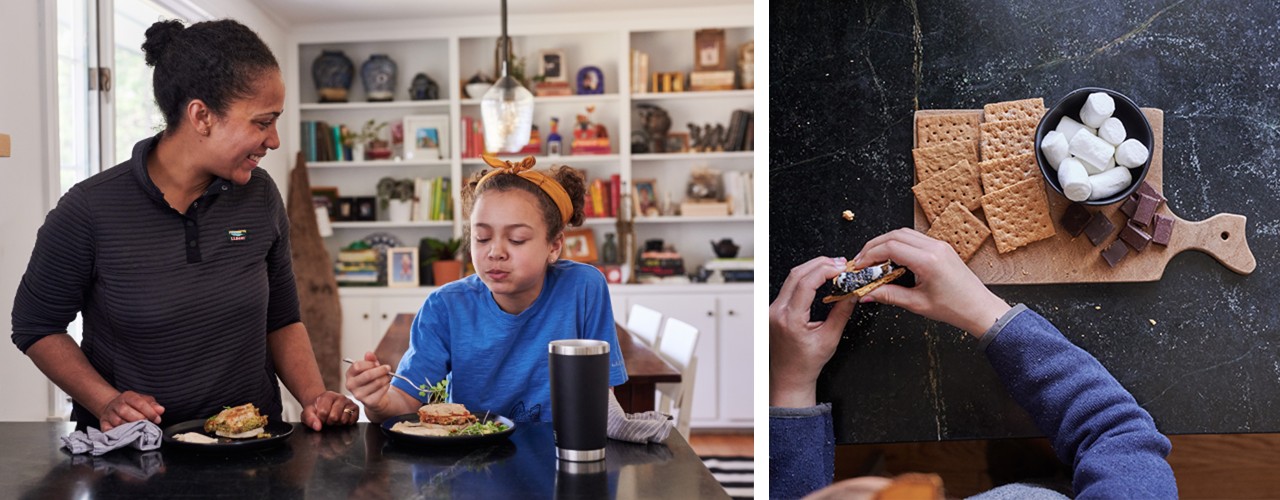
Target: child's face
column 509, row 247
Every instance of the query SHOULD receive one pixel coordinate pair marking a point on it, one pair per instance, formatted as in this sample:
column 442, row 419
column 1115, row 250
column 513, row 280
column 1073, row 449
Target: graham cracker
column 935, row 129
column 1006, row 139
column 1019, row 214
column 959, row 183
column 961, row 229
column 1014, row 110
column 1005, row 172
column 868, row 288
column 935, row 159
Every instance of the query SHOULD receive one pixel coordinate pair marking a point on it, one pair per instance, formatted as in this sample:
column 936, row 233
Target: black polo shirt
column 176, row 305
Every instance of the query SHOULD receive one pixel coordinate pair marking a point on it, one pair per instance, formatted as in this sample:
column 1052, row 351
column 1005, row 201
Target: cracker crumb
column 1153, row 322
column 847, row 214
column 1024, row 272
column 1099, row 308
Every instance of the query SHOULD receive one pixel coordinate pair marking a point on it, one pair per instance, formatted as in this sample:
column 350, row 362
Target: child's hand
column 798, row 348
column 946, row 290
column 368, row 380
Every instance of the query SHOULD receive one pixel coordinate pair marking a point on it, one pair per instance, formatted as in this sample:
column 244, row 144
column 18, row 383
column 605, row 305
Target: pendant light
column 507, row 108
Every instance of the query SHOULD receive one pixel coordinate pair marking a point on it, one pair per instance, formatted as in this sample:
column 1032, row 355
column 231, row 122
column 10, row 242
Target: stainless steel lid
column 578, row 347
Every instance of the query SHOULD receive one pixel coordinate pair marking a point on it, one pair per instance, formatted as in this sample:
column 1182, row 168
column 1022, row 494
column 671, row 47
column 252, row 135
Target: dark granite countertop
column 350, row 462
column 845, row 79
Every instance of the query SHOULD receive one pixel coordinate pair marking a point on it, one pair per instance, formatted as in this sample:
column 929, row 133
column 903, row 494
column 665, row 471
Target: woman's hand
column 946, row 289
column 798, row 348
column 330, row 408
column 369, row 381
column 128, row 407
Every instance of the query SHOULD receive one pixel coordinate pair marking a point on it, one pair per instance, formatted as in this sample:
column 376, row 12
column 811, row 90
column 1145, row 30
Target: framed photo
column 646, row 198
column 327, row 197
column 366, row 209
column 551, row 64
column 402, row 266
column 344, row 210
column 677, row 142
column 580, row 245
column 590, row 80
column 426, row 137
column 708, row 46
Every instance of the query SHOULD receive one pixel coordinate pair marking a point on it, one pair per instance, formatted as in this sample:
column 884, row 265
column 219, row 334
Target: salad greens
column 439, row 392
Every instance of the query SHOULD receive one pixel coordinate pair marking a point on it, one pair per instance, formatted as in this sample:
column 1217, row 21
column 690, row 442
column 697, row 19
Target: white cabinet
column 366, row 316
column 723, row 388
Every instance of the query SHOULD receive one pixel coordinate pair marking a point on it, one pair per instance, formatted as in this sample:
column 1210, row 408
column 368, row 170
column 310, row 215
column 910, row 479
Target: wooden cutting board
column 1063, row 259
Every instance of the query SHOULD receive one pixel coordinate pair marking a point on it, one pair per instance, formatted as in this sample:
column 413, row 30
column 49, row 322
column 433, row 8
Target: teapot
column 725, row 249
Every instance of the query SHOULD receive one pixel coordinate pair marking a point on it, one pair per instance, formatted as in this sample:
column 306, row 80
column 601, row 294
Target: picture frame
column 709, row 50
column 580, row 246
column 645, row 198
column 365, row 209
column 327, row 197
column 590, row 80
column 677, row 142
column 402, row 267
column 344, row 210
column 551, row 65
column 426, row 137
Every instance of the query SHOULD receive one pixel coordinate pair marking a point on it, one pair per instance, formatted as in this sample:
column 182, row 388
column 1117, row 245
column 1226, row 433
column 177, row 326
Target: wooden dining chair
column 679, row 339
column 645, row 323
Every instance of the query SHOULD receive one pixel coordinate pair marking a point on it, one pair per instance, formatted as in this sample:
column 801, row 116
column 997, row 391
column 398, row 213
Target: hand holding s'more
column 859, row 282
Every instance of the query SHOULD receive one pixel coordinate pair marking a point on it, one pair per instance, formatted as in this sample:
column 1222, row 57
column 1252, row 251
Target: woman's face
column 241, row 137
column 509, row 247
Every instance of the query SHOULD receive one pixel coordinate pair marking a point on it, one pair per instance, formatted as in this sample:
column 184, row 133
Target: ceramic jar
column 332, row 73
column 379, row 77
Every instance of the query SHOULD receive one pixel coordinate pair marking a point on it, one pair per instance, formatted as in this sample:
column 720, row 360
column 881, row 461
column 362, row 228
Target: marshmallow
column 1131, row 153
column 1069, row 127
column 1094, row 152
column 1097, row 108
column 1112, row 131
column 1109, row 183
column 1054, row 146
column 1074, row 180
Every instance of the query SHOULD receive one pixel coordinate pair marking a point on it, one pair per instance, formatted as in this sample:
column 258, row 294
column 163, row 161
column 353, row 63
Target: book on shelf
column 741, row 126
column 432, row 200
column 737, row 192
column 639, row 72
column 615, row 194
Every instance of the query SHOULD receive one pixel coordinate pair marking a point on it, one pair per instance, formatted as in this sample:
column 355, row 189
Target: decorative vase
column 725, row 249
column 379, row 77
column 444, row 271
column 332, row 73
column 609, row 250
column 423, row 88
column 357, row 152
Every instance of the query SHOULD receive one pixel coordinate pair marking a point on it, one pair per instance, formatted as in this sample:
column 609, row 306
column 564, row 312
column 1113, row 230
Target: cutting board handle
column 1222, row 237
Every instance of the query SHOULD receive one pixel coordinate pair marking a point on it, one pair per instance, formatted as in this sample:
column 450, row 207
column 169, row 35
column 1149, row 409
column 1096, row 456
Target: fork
column 393, row 374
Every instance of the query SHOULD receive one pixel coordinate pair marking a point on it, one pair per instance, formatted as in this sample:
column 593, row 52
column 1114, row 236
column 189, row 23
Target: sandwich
column 860, row 282
column 437, row 419
column 241, row 422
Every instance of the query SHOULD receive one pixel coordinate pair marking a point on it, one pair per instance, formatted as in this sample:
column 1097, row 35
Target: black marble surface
column 351, row 462
column 845, row 78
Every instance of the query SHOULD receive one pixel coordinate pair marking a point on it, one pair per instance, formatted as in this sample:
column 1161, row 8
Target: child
column 488, row 333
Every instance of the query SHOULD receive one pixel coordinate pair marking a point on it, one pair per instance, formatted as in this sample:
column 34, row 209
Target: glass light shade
column 507, row 111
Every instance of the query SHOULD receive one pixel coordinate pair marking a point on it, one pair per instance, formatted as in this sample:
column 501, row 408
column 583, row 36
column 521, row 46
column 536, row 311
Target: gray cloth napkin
column 142, row 435
column 646, row 427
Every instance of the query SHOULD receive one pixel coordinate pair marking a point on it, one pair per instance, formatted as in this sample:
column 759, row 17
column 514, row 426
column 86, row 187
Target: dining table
column 357, row 461
column 645, row 367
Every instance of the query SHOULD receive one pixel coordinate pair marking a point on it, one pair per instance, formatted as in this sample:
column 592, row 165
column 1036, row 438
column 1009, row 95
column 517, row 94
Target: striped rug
column 736, row 474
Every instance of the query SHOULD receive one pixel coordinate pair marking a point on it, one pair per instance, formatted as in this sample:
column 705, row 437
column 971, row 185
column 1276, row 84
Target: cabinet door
column 699, row 311
column 357, row 327
column 736, row 358
column 389, row 307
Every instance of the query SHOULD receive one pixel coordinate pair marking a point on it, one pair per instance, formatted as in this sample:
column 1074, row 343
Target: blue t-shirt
column 498, row 361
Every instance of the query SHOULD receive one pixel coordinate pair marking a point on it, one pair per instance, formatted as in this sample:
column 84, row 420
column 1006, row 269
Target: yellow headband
column 524, row 168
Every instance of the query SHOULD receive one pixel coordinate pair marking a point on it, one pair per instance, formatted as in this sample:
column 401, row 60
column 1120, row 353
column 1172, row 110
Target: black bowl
column 1135, row 126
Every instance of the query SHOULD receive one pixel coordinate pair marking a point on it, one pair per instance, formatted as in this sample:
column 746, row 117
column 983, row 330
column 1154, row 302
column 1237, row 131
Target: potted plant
column 369, row 136
column 445, row 266
column 396, row 198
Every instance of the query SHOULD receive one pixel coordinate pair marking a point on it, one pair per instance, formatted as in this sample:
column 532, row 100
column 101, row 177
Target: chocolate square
column 1149, row 190
column 1074, row 219
column 1146, row 208
column 1164, row 229
column 1098, row 228
column 1115, row 253
column 1136, row 238
column 1130, row 205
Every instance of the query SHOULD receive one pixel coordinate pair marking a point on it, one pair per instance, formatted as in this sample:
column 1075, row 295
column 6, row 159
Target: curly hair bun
column 159, row 36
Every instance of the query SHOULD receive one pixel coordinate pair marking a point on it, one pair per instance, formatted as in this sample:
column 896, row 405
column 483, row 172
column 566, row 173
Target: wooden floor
column 1217, row 466
column 740, row 444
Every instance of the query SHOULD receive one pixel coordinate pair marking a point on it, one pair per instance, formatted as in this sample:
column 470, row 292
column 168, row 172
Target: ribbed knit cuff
column 806, row 412
column 990, row 336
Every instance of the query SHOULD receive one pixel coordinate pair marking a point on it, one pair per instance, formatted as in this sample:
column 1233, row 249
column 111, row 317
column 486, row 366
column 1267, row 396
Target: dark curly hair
column 214, row 61
column 574, row 183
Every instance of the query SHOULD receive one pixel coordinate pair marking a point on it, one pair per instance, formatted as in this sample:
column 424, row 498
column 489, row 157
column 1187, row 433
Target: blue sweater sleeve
column 802, row 450
column 1093, row 423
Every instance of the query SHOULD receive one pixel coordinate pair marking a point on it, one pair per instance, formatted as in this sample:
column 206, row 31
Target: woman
column 179, row 257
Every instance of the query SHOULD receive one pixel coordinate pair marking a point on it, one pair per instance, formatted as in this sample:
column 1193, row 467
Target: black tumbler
column 579, row 398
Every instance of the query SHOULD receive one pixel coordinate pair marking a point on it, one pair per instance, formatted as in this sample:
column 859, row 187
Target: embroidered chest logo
column 238, row 234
